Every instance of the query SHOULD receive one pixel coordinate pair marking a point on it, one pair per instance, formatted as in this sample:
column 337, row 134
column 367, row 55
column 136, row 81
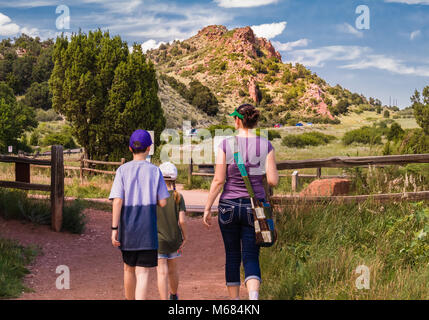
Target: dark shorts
column 141, row 258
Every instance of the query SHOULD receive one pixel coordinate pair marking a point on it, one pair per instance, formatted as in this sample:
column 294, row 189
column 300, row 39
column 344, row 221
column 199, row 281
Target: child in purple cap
column 136, row 191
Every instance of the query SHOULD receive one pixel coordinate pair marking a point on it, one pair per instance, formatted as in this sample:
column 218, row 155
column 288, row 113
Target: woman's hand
column 207, row 218
column 115, row 241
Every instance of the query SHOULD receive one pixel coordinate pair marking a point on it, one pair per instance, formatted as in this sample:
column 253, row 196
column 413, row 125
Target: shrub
column 15, row 205
column 365, row 135
column 307, row 139
column 66, row 140
column 201, row 97
column 395, row 132
column 46, row 116
column 272, row 134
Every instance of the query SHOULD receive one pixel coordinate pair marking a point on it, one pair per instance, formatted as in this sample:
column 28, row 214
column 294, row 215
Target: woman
column 235, row 215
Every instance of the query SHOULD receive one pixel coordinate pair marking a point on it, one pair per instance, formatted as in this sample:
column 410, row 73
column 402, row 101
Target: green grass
column 15, row 205
column 320, row 247
column 13, row 261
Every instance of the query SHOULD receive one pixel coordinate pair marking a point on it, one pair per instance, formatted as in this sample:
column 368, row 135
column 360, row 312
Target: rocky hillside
column 239, row 67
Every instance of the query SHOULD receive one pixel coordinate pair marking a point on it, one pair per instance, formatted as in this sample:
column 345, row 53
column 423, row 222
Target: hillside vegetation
column 238, row 67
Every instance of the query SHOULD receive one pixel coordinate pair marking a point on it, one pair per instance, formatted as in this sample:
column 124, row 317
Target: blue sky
column 390, row 59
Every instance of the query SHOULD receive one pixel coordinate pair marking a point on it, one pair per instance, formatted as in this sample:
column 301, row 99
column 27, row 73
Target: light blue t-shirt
column 140, row 185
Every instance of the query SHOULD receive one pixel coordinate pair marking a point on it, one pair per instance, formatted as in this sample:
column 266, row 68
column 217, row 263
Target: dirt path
column 96, row 267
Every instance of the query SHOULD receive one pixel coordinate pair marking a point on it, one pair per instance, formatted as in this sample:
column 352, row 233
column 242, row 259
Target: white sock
column 253, row 295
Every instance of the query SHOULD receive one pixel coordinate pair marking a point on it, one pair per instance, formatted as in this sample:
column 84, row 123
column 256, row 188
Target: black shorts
column 141, row 258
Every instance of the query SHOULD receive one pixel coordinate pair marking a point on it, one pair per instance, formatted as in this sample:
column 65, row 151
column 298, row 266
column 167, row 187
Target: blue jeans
column 238, row 233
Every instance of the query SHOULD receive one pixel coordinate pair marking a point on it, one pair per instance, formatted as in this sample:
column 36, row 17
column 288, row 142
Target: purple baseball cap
column 140, row 139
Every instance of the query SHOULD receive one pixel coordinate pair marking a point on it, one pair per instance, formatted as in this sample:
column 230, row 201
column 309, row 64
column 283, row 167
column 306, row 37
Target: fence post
column 190, row 169
column 122, row 160
column 295, row 181
column 319, row 173
column 57, row 187
column 81, row 168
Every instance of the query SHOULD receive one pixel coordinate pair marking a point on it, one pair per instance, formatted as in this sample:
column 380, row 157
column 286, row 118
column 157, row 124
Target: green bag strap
column 241, row 167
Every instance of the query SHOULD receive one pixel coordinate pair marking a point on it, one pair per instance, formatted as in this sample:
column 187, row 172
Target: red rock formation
column 253, row 90
column 212, row 32
column 267, row 45
column 327, row 187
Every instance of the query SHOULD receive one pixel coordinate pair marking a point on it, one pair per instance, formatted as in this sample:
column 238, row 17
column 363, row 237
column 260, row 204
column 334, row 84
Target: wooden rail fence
column 333, row 162
column 22, row 180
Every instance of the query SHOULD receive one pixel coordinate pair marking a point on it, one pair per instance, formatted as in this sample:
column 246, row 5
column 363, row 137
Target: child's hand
column 182, row 245
column 115, row 241
column 207, row 218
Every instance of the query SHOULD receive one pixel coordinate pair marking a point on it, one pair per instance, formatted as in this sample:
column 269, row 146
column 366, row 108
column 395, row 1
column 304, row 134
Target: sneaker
column 174, row 296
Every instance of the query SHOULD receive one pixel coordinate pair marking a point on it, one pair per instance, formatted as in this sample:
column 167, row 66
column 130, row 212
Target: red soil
column 96, row 270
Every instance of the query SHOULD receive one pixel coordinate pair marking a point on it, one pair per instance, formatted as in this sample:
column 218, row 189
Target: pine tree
column 104, row 92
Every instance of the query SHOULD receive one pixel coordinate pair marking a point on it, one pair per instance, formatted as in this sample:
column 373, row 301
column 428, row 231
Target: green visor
column 236, row 114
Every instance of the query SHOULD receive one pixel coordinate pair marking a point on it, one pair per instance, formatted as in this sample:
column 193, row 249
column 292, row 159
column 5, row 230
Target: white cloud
column 150, row 44
column 7, row 28
column 347, row 28
column 383, row 62
column 288, row 46
column 244, row 3
column 425, row 2
column 270, row 30
column 356, row 58
column 415, row 34
column 318, row 57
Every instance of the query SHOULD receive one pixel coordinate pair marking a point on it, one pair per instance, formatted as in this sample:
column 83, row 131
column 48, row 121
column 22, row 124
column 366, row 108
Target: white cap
column 168, row 170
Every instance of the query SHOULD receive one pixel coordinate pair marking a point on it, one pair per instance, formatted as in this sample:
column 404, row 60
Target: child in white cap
column 171, row 235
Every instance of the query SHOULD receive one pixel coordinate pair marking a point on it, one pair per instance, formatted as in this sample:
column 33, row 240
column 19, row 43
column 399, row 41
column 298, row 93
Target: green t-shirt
column 169, row 233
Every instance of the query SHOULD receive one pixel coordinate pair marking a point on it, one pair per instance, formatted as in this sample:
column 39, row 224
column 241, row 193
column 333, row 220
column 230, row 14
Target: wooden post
column 122, row 161
column 295, row 181
column 81, row 168
column 319, row 173
column 190, row 169
column 22, row 172
column 57, row 187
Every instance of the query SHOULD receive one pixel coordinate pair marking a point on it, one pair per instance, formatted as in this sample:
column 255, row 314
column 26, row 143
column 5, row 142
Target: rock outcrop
column 326, row 188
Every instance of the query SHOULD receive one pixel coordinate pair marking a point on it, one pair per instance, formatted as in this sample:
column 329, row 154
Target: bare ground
column 96, row 270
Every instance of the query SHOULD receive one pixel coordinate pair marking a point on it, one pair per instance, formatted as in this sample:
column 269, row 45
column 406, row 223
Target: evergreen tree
column 421, row 108
column 104, row 91
column 15, row 118
column 133, row 104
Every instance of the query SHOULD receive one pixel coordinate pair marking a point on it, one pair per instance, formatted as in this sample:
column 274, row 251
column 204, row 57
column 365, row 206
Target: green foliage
column 307, row 139
column 224, row 128
column 420, row 105
column 105, row 92
column 414, row 141
column 319, row 248
column 364, row 135
column 15, row 118
column 59, row 138
column 341, row 107
column 13, row 262
column 386, row 114
column 201, row 97
column 15, row 205
column 48, row 115
column 395, row 132
column 272, row 134
column 38, row 96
